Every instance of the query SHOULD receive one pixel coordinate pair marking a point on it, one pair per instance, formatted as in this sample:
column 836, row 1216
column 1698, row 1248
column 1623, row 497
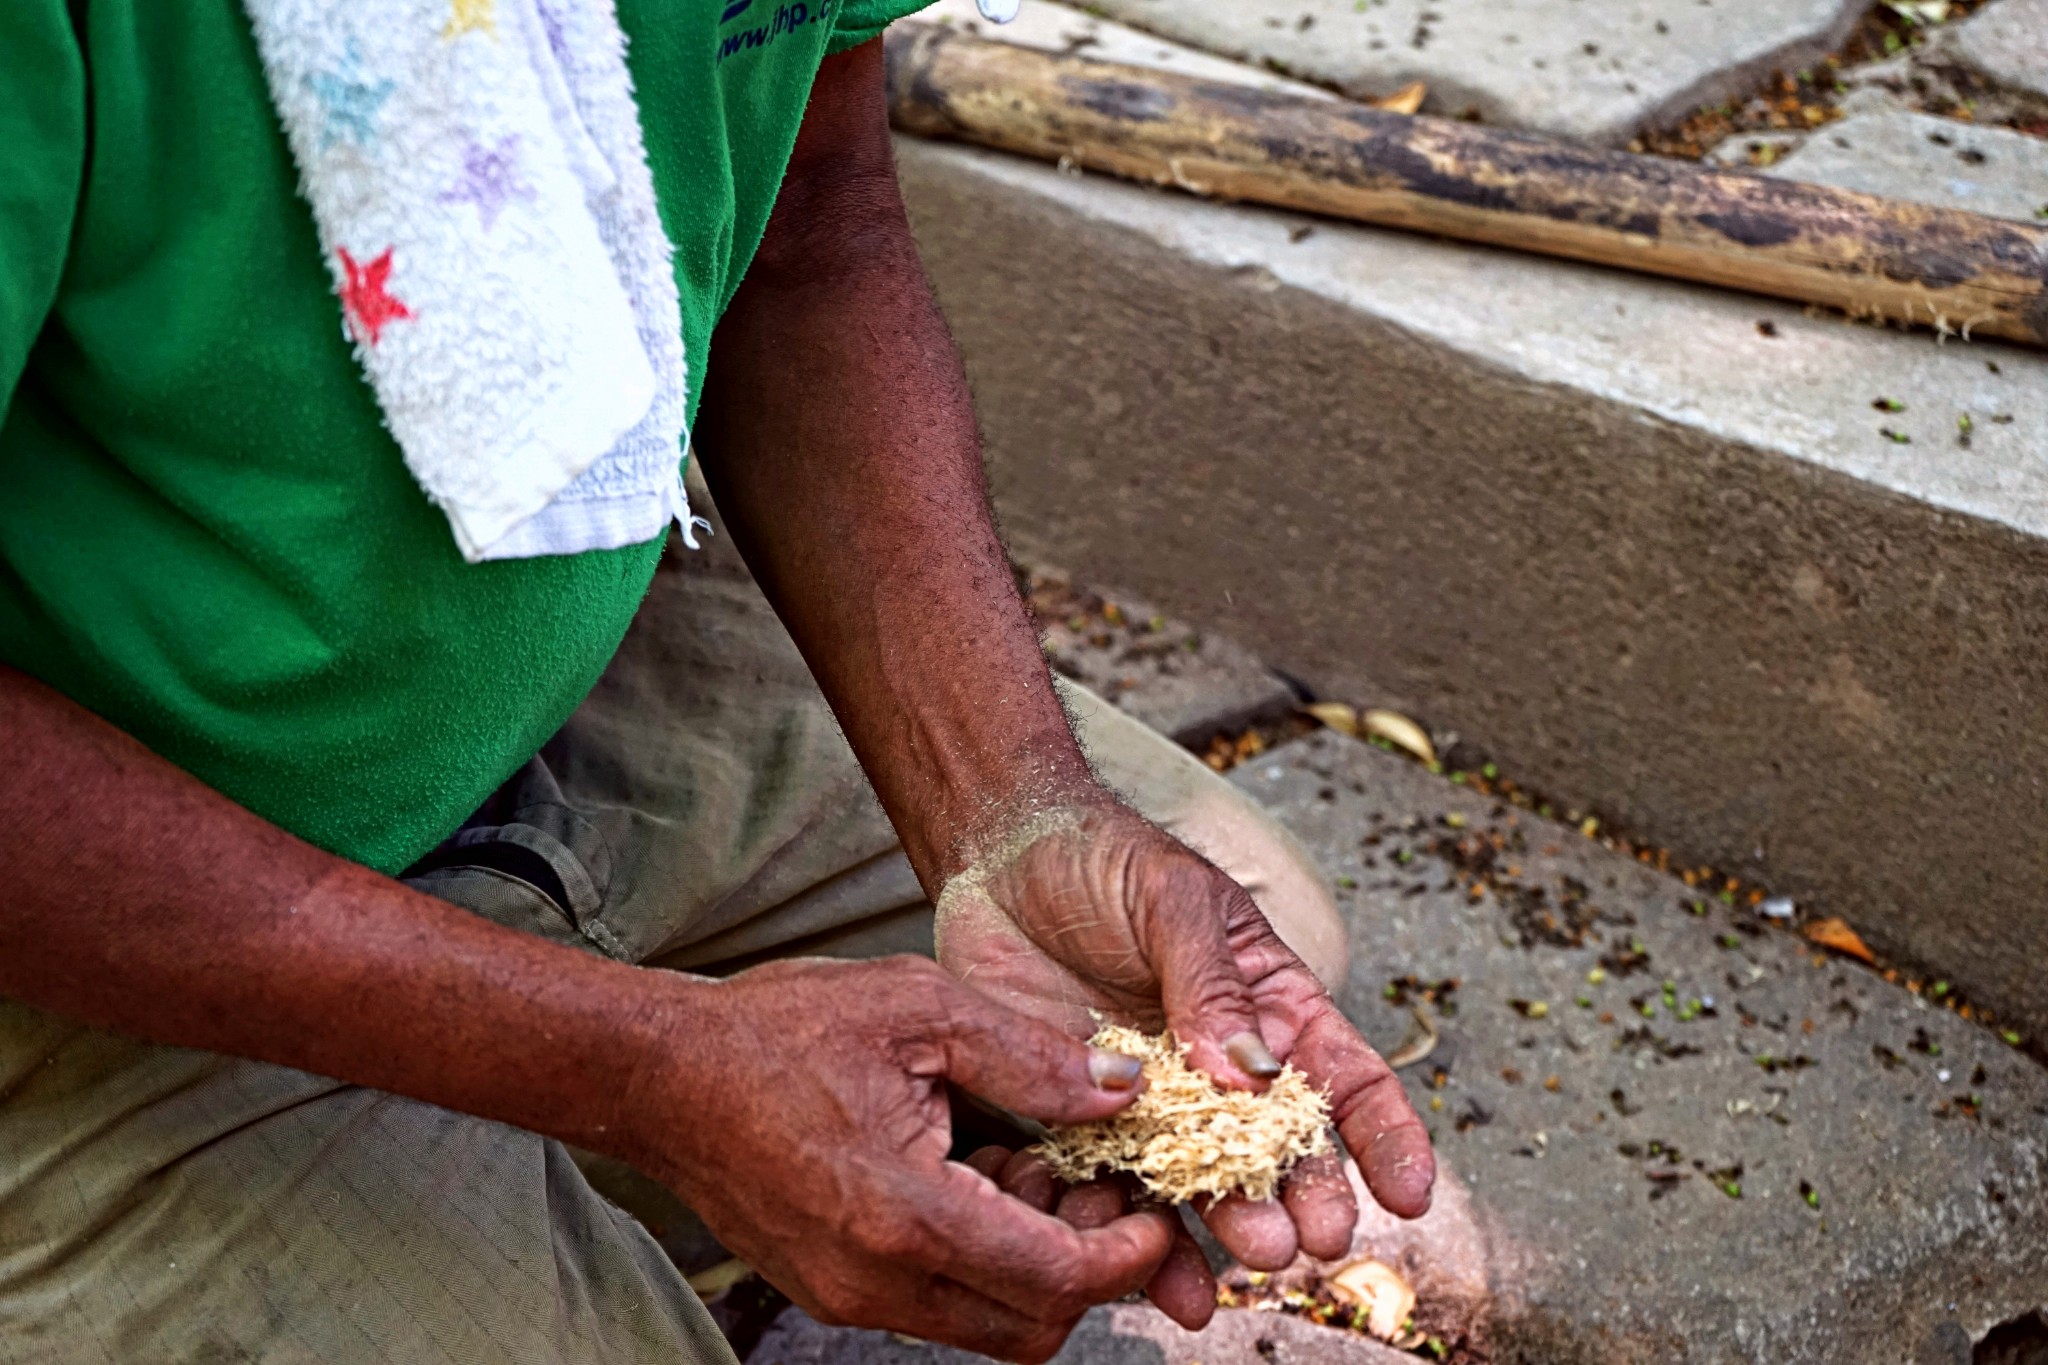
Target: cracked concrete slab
column 2007, row 44
column 1927, row 160
column 1183, row 682
column 1679, row 1136
column 1600, row 74
column 1053, row 27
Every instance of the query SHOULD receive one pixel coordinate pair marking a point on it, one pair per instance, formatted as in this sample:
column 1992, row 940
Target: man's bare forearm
column 839, row 439
column 141, row 900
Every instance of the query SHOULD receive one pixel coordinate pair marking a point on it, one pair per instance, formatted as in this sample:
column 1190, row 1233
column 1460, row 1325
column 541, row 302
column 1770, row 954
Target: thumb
column 1026, row 1065
column 1208, row 1004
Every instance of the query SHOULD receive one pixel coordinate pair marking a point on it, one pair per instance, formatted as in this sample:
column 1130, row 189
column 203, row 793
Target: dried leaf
column 1398, row 730
column 1379, row 1289
column 1335, row 714
column 1406, row 100
column 1420, row 1042
column 1834, row 934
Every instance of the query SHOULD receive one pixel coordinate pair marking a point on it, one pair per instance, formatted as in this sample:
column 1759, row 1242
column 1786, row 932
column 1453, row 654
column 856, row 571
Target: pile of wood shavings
column 1184, row 1137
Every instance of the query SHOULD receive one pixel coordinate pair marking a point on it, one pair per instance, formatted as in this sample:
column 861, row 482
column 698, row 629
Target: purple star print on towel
column 490, row 177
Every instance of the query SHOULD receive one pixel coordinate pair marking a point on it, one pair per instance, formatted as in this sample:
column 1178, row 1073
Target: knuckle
column 895, row 1238
column 1217, row 993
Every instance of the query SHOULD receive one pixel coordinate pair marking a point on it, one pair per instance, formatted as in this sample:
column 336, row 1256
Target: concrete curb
column 1651, row 558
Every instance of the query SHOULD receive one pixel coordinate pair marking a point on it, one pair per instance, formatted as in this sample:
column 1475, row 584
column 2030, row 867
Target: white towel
column 480, row 186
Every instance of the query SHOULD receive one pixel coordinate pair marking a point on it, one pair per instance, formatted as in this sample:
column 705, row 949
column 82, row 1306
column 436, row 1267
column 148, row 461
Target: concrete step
column 1768, row 588
column 1549, row 65
column 1665, row 1135
column 1928, row 160
column 1633, row 1167
column 2007, row 45
column 1186, row 683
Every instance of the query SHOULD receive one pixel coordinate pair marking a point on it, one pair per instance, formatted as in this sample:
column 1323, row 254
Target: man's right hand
column 801, row 1109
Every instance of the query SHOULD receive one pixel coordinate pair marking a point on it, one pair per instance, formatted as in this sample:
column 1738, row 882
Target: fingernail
column 1113, row 1070
column 1251, row 1054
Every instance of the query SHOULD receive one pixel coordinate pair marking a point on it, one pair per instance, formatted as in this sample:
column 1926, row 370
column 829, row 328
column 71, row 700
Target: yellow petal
column 1398, row 730
column 1335, row 714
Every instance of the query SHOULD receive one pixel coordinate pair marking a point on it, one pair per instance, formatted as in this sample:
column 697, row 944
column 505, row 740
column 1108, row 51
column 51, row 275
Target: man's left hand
column 1092, row 909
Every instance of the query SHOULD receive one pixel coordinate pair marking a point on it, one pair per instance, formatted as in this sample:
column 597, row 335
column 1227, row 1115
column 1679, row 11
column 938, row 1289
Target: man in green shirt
column 282, row 797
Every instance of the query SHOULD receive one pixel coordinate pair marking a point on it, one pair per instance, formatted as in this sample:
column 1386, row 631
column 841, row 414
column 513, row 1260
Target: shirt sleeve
column 860, row 21
column 42, row 126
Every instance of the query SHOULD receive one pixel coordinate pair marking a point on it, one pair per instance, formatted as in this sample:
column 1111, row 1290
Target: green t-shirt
column 206, row 535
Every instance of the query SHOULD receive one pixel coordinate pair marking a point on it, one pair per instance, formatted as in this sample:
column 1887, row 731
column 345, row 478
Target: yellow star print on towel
column 470, row 16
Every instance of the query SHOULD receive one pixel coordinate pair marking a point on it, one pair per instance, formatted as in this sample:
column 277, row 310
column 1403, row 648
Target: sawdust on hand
column 1184, row 1137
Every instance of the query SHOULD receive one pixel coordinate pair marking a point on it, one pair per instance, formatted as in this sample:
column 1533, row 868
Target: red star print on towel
column 363, row 297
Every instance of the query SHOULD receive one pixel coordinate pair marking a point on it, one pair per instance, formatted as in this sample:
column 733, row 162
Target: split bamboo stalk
column 1869, row 256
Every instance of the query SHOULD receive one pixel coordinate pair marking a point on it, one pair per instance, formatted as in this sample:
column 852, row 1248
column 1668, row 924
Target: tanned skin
column 799, row 1107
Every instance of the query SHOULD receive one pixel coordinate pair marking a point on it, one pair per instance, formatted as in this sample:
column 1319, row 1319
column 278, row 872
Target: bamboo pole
column 1871, row 257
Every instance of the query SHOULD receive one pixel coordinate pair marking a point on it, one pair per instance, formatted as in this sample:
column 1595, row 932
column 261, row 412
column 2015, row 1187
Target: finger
column 1373, row 1116
column 1096, row 1204
column 1319, row 1200
column 1185, row 930
column 988, row 1160
column 1023, row 1064
column 1026, row 1176
column 1260, row 1234
column 1001, row 1247
column 1184, row 1288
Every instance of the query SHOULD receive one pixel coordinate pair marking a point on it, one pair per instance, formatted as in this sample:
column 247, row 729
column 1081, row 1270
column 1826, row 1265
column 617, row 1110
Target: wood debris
column 1835, row 933
column 1379, row 1290
column 1184, row 1137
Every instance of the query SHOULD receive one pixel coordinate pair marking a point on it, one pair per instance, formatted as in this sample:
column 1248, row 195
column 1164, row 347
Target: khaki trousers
column 701, row 810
